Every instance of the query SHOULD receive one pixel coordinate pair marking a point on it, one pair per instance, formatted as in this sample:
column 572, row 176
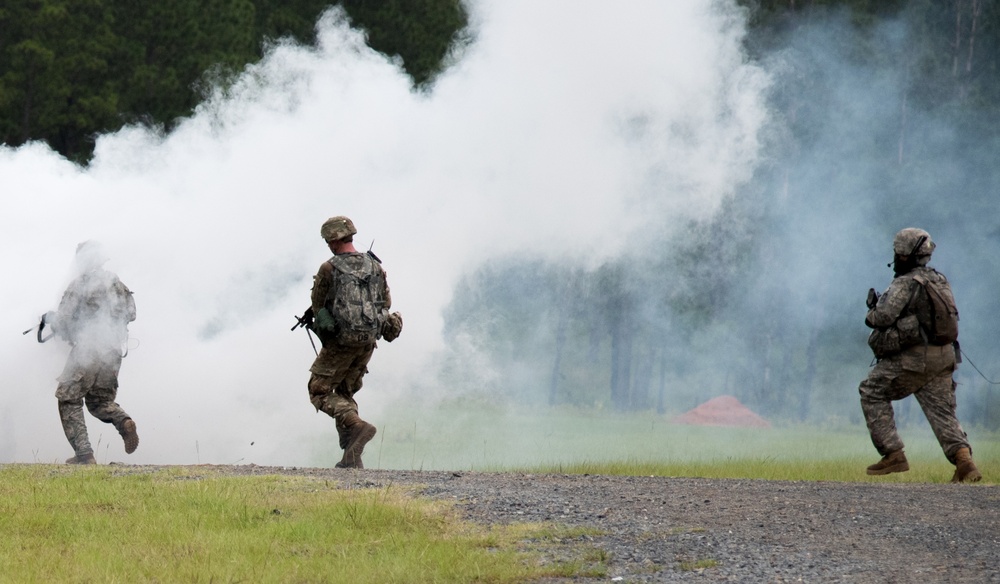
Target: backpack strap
column 922, row 281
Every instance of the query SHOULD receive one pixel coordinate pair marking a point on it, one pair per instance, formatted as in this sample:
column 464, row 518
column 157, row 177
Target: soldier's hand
column 305, row 320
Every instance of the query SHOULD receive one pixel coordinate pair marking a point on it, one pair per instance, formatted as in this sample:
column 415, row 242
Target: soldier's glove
column 392, row 326
column 872, row 298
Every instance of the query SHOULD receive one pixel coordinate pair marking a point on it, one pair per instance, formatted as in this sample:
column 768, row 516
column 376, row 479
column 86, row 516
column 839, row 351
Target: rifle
column 872, row 299
column 305, row 321
column 41, row 329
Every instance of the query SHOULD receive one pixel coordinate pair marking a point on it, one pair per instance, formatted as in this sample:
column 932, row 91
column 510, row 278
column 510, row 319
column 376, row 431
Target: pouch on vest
column 884, row 343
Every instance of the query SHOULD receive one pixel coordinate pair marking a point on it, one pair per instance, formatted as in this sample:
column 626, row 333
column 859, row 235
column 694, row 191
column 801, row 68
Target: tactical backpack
column 354, row 315
column 943, row 327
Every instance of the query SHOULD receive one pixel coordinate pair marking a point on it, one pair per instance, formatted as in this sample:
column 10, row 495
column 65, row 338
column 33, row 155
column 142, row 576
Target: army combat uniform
column 93, row 317
column 339, row 369
column 908, row 363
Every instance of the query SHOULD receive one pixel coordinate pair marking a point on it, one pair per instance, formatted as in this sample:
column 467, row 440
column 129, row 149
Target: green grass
column 73, row 524
column 493, row 438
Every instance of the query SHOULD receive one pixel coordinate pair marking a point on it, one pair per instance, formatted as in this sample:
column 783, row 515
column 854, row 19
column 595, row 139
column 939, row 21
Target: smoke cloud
column 560, row 132
column 556, row 127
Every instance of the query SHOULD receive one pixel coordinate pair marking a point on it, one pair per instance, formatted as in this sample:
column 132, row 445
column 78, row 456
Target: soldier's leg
column 359, row 432
column 341, row 408
column 937, row 399
column 75, row 427
column 102, row 405
column 878, row 390
column 323, row 395
column 73, row 384
column 334, row 395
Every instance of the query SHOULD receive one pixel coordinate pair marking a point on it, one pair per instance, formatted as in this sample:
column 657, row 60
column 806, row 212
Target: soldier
column 916, row 354
column 349, row 312
column 93, row 318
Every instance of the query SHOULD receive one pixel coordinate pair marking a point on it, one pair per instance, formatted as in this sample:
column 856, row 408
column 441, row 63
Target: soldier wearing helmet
column 341, row 364
column 338, row 228
column 911, row 360
column 93, row 317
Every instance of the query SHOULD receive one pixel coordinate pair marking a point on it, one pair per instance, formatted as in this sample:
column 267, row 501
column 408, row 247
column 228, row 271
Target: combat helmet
column 913, row 241
column 336, row 228
column 89, row 256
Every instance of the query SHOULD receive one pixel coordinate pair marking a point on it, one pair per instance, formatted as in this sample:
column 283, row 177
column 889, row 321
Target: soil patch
column 724, row 410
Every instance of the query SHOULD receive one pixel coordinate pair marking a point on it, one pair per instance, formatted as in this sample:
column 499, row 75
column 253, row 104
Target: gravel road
column 656, row 529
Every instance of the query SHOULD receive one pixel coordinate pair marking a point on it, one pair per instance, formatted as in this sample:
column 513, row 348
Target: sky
column 559, row 120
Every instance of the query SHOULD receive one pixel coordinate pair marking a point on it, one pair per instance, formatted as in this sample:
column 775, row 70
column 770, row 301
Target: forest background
column 887, row 108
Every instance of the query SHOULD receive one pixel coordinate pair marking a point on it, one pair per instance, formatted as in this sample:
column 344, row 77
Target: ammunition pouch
column 884, row 343
column 392, row 326
column 905, row 333
column 324, row 325
column 909, row 332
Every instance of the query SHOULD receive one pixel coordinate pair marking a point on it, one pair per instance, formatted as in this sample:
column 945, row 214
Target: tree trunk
column 661, row 399
column 643, row 378
column 957, row 43
column 902, row 130
column 557, row 361
column 977, row 7
column 621, row 366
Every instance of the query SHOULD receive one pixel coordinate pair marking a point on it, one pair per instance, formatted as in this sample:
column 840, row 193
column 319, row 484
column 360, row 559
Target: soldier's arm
column 388, row 297
column 321, row 286
column 68, row 304
column 891, row 303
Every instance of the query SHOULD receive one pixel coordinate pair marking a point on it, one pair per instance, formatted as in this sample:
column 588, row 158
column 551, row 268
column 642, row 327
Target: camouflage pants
column 925, row 373
column 95, row 382
column 337, row 376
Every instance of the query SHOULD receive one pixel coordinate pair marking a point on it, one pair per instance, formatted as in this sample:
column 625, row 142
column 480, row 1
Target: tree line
column 72, row 69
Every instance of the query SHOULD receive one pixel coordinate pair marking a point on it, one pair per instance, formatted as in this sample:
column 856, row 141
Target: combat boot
column 82, row 459
column 129, row 435
column 965, row 469
column 359, row 433
column 892, row 462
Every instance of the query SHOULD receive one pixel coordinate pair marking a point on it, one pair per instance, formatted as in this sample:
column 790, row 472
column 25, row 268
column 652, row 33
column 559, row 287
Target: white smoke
column 562, row 128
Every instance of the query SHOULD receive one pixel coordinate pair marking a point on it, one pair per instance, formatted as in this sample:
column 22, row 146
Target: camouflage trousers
column 337, row 375
column 96, row 383
column 926, row 373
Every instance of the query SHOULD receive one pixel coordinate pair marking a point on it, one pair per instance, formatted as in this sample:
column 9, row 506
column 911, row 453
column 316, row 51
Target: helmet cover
column 908, row 242
column 336, row 228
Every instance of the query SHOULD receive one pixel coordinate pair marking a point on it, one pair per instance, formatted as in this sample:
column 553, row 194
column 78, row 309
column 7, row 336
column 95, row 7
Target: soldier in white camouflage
column 339, row 369
column 93, row 317
column 910, row 363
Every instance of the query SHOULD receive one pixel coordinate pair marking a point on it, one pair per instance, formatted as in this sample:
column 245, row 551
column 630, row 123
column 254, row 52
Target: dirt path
column 659, row 529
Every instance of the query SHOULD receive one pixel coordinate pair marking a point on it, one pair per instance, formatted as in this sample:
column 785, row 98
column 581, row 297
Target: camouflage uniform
column 909, row 364
column 337, row 371
column 93, row 317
